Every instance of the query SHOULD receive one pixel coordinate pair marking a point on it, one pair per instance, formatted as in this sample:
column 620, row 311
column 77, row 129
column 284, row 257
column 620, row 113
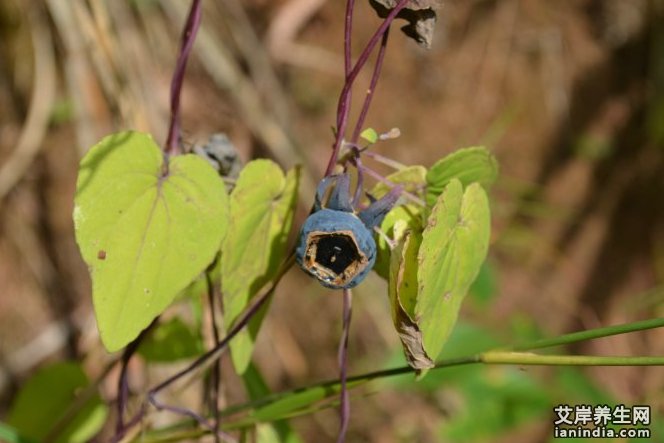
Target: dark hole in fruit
column 336, row 252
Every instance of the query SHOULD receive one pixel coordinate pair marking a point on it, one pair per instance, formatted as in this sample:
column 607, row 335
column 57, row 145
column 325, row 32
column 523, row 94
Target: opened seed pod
column 336, row 248
column 336, row 245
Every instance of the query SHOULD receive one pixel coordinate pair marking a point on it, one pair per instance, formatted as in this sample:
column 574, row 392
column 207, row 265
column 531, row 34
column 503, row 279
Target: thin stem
column 344, row 97
column 348, row 28
column 330, row 385
column 360, row 179
column 409, row 195
column 590, row 334
column 216, row 351
column 384, row 160
column 330, row 388
column 215, row 372
column 202, row 421
column 344, row 407
column 372, row 87
column 251, row 310
column 526, row 358
column 333, row 387
column 348, row 35
column 123, row 382
column 188, row 38
column 256, row 303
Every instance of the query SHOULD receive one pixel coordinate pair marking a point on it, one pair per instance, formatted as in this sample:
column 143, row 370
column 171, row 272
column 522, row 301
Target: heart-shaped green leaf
column 468, row 165
column 454, row 245
column 262, row 208
column 145, row 229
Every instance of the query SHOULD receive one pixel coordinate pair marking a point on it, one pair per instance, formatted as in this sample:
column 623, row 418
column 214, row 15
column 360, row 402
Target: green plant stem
column 526, row 358
column 589, row 335
column 538, row 344
column 332, row 388
column 493, row 357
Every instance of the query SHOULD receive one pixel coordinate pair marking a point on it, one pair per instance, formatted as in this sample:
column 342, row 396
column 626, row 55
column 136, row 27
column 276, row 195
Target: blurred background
column 568, row 95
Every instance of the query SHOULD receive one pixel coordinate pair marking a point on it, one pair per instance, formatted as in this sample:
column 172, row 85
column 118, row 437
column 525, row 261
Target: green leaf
column 144, row 233
column 262, row 208
column 278, row 431
column 396, row 222
column 469, row 165
column 370, row 135
column 402, row 288
column 413, row 179
column 45, row 399
column 285, row 406
column 265, row 433
column 11, row 435
column 171, row 341
column 454, row 245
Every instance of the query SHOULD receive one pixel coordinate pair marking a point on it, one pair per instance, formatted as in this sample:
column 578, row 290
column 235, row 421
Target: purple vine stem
column 243, row 320
column 372, row 86
column 343, row 110
column 348, row 28
column 123, row 379
column 188, row 37
column 172, row 147
column 219, row 435
column 215, row 372
column 343, row 106
column 344, row 409
column 348, row 36
column 256, row 303
column 360, row 177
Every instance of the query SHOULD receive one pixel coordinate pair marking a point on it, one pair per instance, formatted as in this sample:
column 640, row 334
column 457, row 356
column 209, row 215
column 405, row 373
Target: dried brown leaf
column 403, row 293
column 420, row 14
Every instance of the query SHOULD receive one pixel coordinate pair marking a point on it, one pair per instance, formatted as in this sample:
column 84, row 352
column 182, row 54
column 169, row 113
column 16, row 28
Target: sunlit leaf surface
column 145, row 230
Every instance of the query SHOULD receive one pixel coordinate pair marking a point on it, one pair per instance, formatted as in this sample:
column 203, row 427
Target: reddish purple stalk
column 372, row 87
column 343, row 110
column 123, row 380
column 343, row 106
column 242, row 321
column 188, row 37
column 348, row 28
column 172, row 147
column 344, row 409
column 215, row 372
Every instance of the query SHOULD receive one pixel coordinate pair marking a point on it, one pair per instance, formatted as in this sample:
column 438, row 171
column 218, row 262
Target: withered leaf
column 403, row 296
column 420, row 14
